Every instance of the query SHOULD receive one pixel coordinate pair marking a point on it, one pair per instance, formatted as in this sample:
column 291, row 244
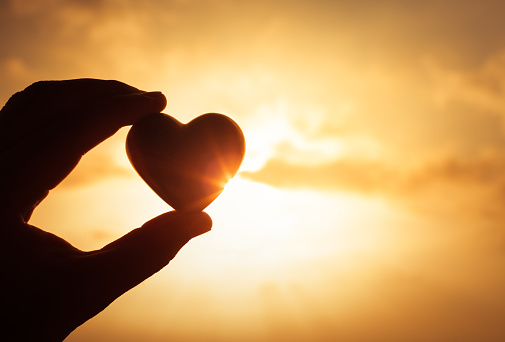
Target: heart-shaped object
column 187, row 165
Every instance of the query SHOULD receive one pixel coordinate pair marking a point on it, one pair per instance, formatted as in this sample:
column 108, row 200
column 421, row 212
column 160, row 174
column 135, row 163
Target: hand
column 49, row 287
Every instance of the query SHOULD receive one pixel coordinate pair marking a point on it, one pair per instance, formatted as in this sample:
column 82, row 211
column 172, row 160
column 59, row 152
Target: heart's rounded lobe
column 187, row 165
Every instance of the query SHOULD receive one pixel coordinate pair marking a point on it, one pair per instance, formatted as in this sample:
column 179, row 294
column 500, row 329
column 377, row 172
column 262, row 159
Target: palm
column 48, row 278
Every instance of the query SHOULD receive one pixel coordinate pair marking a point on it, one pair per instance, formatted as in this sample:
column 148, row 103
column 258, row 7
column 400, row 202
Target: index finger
column 42, row 159
column 44, row 101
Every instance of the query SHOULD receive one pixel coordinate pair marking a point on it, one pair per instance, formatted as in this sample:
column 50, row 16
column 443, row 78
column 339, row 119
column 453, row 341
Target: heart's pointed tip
column 189, row 210
column 190, row 204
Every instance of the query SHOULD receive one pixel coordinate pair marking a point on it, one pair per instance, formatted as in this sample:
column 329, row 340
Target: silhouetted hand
column 49, row 287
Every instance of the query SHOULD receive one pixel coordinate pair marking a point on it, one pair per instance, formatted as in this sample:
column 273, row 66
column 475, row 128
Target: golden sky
column 371, row 202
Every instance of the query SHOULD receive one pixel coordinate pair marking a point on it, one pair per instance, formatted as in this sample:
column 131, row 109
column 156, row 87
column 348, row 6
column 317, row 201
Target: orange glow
column 369, row 206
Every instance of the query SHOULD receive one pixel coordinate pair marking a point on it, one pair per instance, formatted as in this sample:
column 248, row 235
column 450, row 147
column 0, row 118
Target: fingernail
column 157, row 99
column 153, row 94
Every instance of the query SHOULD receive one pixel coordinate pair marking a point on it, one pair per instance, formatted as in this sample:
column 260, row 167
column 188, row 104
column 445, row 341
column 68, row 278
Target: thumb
column 157, row 241
column 126, row 262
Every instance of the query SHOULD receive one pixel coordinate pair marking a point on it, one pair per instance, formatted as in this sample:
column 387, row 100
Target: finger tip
column 188, row 224
column 157, row 98
column 204, row 221
column 197, row 223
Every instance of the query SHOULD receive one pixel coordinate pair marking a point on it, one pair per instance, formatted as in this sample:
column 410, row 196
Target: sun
column 244, row 202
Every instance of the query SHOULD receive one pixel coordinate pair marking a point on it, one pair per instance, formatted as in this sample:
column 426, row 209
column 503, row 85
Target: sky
column 370, row 204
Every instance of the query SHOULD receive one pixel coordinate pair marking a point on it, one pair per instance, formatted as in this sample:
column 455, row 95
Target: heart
column 187, row 165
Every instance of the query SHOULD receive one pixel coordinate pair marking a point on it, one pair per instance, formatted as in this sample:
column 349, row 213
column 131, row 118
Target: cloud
column 447, row 186
column 482, row 87
column 339, row 175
